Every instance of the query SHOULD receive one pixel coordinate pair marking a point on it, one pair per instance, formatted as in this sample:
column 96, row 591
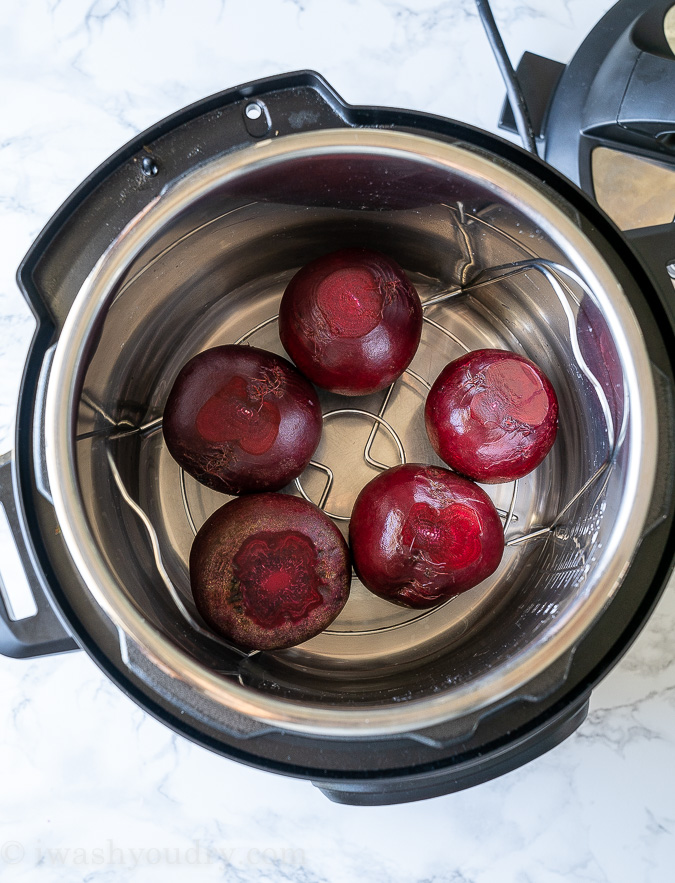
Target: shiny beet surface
column 269, row 571
column 241, row 420
column 351, row 321
column 492, row 415
column 420, row 535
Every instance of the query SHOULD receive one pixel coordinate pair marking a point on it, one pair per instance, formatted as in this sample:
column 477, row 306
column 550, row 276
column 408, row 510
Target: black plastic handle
column 655, row 246
column 515, row 752
column 40, row 634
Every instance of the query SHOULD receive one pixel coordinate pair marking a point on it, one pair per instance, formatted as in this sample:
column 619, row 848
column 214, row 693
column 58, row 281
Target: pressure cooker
column 185, row 239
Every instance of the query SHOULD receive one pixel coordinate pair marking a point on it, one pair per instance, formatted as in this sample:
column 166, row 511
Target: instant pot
column 185, row 239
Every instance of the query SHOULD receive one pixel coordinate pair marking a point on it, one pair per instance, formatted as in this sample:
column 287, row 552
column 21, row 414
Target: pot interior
column 524, row 278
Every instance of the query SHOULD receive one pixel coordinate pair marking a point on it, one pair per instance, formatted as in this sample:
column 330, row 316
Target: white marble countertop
column 91, row 787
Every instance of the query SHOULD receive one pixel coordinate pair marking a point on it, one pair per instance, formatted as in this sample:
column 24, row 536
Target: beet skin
column 420, row 535
column 269, row 571
column 242, row 420
column 351, row 321
column 492, row 415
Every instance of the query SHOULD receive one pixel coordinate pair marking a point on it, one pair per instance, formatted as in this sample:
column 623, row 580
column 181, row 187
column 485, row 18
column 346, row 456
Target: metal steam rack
column 558, row 277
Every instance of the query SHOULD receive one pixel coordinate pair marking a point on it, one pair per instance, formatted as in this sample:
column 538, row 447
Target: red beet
column 492, row 415
column 421, row 535
column 351, row 321
column 269, row 571
column 240, row 420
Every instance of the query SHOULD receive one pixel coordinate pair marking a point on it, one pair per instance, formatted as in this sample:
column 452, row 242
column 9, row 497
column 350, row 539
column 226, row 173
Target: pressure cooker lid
column 610, row 122
column 500, row 260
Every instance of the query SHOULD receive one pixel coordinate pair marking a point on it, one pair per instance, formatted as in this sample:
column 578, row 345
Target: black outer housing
column 357, row 771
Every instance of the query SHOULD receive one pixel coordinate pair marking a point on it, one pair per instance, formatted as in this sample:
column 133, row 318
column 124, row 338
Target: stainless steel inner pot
column 501, row 262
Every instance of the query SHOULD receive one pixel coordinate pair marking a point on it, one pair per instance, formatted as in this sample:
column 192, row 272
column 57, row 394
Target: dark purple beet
column 492, row 415
column 241, row 420
column 351, row 321
column 420, row 535
column 269, row 571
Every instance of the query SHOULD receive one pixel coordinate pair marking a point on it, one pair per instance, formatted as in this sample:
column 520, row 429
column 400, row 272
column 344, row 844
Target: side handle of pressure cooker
column 33, row 629
column 655, row 246
column 496, row 760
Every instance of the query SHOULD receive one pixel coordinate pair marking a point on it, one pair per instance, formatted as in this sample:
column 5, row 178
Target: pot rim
column 68, row 371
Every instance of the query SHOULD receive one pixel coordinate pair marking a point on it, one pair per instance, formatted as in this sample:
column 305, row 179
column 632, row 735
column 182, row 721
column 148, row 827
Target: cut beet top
column 492, row 415
column 421, row 535
column 240, row 420
column 269, row 571
column 351, row 321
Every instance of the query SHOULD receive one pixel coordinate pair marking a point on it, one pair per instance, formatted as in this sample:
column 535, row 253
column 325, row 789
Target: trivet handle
column 31, row 630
